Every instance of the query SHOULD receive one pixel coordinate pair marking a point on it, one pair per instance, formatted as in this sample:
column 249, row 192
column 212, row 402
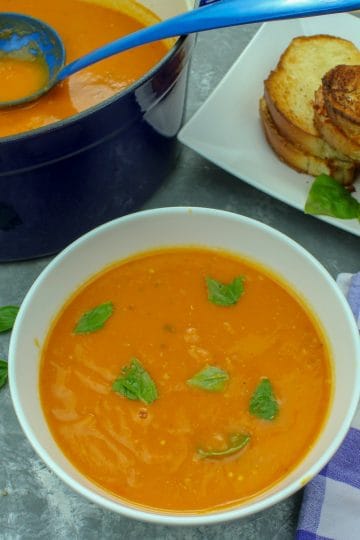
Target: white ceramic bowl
column 178, row 226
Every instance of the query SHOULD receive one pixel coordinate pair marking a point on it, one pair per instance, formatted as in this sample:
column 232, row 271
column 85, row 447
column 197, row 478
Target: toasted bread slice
column 332, row 133
column 298, row 159
column 341, row 91
column 290, row 88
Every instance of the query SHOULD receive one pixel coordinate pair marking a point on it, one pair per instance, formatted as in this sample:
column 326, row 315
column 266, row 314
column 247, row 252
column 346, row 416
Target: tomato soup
column 185, row 379
column 83, row 26
column 33, row 74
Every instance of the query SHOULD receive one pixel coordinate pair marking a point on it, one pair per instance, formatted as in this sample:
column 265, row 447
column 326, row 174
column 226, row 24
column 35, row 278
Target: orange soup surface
column 32, row 74
column 233, row 396
column 83, row 26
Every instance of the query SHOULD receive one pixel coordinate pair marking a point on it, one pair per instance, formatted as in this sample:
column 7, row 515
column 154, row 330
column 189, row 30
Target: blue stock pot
column 59, row 181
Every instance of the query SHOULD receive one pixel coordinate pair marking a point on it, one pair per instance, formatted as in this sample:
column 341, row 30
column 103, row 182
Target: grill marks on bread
column 333, row 132
column 341, row 90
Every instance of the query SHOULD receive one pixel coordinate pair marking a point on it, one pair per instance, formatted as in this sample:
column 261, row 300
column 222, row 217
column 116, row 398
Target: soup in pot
column 83, row 25
column 185, row 379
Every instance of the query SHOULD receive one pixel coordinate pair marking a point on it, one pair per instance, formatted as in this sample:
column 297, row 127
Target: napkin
column 331, row 504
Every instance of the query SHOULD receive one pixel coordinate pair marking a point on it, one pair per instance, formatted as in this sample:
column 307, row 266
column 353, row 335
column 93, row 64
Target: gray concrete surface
column 34, row 503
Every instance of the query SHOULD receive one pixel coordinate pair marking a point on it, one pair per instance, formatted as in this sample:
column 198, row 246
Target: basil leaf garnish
column 3, row 373
column 223, row 294
column 94, row 320
column 237, row 441
column 211, row 378
column 7, row 317
column 263, row 403
column 328, row 197
column 135, row 383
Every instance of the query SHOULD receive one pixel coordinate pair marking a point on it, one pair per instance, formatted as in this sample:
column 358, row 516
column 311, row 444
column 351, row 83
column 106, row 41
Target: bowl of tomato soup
column 185, row 366
column 101, row 142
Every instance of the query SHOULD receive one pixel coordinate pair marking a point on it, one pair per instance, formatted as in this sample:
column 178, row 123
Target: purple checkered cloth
column 331, row 503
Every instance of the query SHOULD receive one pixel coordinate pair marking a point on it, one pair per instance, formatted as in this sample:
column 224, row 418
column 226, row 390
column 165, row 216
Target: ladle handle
column 220, row 14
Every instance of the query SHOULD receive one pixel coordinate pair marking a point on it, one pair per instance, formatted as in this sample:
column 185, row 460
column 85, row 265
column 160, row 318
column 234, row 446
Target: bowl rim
column 68, row 121
column 160, row 516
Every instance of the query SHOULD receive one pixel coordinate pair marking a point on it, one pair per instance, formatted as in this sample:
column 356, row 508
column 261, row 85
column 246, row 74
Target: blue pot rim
column 59, row 124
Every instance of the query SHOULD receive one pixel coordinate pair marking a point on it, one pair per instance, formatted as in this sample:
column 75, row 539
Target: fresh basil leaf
column 237, row 441
column 7, row 317
column 211, row 378
column 3, row 373
column 328, row 197
column 263, row 403
column 94, row 320
column 224, row 294
column 135, row 383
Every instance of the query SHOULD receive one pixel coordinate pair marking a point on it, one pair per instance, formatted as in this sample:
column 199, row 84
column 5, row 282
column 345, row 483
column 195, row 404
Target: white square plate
column 227, row 130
